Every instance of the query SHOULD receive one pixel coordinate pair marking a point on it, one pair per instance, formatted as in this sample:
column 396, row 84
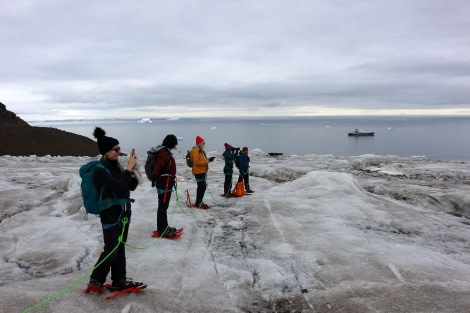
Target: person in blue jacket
column 244, row 167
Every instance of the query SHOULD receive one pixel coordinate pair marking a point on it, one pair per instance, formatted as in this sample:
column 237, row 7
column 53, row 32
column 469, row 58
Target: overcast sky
column 65, row 59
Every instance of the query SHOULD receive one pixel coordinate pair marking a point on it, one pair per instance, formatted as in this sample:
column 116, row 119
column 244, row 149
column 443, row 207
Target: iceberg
column 145, row 120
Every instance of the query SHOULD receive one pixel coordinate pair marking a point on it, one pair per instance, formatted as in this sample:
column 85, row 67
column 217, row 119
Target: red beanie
column 199, row 139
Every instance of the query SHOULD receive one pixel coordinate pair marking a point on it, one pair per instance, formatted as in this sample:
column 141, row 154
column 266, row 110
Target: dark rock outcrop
column 18, row 138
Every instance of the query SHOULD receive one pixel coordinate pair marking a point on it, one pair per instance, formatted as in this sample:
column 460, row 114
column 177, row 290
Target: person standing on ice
column 118, row 183
column 164, row 171
column 229, row 155
column 200, row 168
column 244, row 161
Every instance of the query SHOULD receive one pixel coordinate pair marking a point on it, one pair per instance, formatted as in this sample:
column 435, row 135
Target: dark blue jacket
column 244, row 161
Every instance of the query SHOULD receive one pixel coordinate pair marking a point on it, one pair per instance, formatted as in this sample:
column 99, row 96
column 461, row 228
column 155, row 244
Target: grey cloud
column 338, row 54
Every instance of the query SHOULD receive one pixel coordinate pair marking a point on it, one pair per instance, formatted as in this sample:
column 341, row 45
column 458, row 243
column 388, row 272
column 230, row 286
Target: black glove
column 211, row 159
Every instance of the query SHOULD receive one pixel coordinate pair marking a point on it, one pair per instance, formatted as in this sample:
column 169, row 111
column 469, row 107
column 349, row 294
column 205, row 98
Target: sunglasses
column 117, row 149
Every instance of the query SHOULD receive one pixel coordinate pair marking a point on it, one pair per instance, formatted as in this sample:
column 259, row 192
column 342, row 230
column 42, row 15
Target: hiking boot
column 126, row 283
column 249, row 191
column 94, row 286
column 170, row 232
column 202, row 205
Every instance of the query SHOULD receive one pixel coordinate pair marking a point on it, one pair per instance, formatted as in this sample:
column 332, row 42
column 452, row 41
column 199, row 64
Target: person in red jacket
column 164, row 171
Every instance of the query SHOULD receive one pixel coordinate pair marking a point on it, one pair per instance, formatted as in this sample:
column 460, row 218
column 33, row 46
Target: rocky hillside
column 18, row 138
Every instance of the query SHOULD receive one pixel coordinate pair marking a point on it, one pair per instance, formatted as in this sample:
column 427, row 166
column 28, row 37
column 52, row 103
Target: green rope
column 218, row 202
column 120, row 240
column 161, row 235
column 230, row 188
column 124, row 222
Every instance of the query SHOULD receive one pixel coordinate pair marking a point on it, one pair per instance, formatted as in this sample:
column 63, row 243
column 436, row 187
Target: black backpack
column 237, row 161
column 151, row 158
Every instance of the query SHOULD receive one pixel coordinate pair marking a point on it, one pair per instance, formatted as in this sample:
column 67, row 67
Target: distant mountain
column 18, row 138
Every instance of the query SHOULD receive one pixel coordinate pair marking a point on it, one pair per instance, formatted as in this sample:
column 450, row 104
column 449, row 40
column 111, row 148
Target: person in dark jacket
column 164, row 171
column 229, row 155
column 118, row 184
column 244, row 161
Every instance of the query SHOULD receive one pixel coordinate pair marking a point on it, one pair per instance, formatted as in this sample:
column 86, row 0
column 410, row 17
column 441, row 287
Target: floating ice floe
column 145, row 120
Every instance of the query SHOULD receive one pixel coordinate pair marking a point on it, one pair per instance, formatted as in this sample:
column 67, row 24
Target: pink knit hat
column 227, row 146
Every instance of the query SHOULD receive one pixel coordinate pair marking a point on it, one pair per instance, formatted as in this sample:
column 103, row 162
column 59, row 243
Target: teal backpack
column 92, row 197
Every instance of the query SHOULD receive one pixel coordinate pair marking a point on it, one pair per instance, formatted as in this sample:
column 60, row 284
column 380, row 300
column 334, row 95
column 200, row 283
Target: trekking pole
column 180, row 207
column 188, row 199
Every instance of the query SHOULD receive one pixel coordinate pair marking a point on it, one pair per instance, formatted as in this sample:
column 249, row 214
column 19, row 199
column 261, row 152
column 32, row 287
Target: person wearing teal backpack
column 117, row 183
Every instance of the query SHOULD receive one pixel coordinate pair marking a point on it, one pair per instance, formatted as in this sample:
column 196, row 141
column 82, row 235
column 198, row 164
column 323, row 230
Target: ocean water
column 438, row 138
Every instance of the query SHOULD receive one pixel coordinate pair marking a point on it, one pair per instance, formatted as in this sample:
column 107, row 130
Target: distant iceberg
column 145, row 120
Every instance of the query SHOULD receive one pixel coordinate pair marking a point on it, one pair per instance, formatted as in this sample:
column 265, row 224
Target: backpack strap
column 109, row 202
column 118, row 222
column 166, row 162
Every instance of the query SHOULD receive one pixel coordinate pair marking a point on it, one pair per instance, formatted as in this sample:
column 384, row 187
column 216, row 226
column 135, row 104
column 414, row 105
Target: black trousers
column 246, row 179
column 228, row 183
column 162, row 217
column 116, row 262
column 201, row 187
column 164, row 187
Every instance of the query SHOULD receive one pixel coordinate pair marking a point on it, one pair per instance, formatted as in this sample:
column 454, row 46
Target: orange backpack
column 239, row 189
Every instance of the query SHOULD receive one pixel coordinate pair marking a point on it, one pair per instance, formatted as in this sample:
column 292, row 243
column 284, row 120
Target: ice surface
column 321, row 233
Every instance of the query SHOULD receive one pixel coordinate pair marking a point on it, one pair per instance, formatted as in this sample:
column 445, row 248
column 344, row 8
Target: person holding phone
column 200, row 169
column 117, row 182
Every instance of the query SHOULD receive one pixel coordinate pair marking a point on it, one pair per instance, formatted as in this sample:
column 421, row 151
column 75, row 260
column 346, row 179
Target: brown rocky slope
column 18, row 138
